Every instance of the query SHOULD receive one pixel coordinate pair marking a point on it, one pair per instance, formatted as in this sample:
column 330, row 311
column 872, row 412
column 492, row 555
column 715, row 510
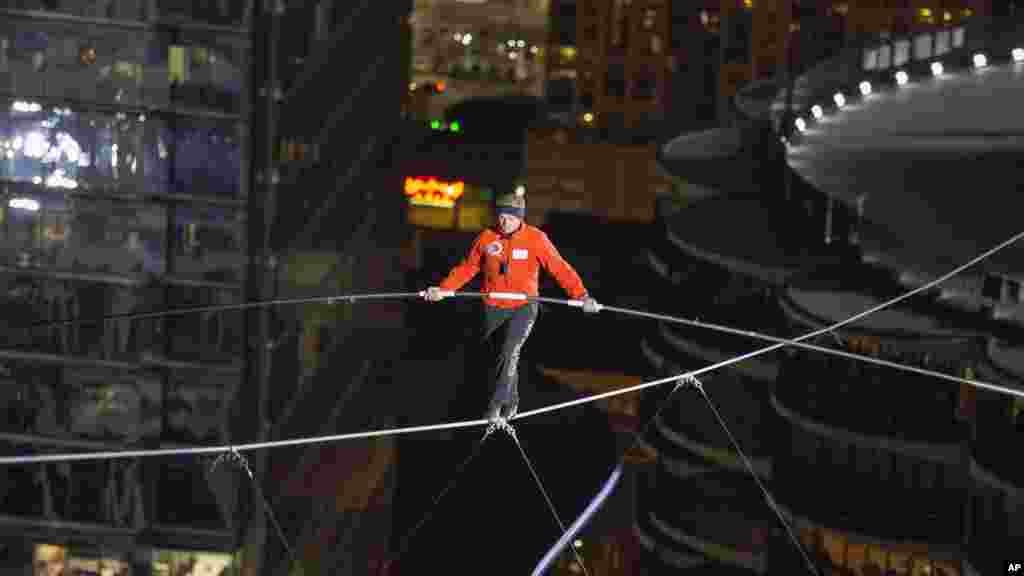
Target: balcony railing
column 883, row 61
column 871, row 401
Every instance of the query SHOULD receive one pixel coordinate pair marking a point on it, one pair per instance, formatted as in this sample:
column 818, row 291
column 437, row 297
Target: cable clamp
column 689, row 380
column 235, row 457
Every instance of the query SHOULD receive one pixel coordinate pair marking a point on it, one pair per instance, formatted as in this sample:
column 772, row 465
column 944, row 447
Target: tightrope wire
column 781, row 343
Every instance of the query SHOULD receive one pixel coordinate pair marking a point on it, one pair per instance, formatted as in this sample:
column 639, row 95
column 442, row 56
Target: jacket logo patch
column 494, row 248
column 520, row 253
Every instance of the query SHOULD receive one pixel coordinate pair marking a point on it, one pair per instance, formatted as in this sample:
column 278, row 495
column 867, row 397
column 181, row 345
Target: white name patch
column 520, row 253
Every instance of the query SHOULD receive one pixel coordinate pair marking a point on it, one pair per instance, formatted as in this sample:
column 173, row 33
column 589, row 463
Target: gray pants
column 508, row 328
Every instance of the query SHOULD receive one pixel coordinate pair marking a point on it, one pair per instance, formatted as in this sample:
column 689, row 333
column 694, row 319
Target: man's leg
column 495, row 324
column 519, row 328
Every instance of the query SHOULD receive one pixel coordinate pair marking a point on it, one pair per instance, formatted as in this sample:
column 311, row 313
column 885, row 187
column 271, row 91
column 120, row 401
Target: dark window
column 564, row 23
column 737, row 46
column 615, row 79
column 646, row 87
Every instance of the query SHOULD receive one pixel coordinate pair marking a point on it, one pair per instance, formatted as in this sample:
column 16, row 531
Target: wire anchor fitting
column 233, row 456
column 690, row 380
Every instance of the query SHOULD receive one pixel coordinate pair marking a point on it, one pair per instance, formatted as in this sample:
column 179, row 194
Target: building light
column 588, row 117
column 59, row 180
column 433, row 192
column 980, row 60
column 801, row 124
column 1018, row 54
column 467, row 39
column 520, row 190
column 817, row 112
column 27, row 204
column 937, row 69
column 839, row 99
column 748, row 4
column 925, row 13
column 902, row 78
column 412, row 86
column 865, row 88
column 534, row 50
column 26, row 107
column 947, row 16
column 36, row 145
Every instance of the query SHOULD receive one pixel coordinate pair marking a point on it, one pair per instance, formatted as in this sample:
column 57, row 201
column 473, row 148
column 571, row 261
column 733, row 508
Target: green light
column 456, row 127
column 435, row 124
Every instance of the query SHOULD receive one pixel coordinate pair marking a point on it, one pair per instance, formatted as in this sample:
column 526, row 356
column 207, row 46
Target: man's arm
column 561, row 270
column 467, row 269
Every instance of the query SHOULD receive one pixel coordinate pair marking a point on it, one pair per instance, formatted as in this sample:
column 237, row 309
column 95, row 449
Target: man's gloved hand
column 434, row 294
column 590, row 306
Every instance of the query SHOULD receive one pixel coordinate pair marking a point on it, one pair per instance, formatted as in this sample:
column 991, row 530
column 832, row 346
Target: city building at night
column 123, row 179
column 876, row 470
column 136, row 157
column 474, row 49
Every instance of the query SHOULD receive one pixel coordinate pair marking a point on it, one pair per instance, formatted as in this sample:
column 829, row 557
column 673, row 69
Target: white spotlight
column 980, row 60
column 839, row 99
column 902, row 78
column 801, row 124
column 865, row 88
column 1018, row 54
column 817, row 112
column 937, row 69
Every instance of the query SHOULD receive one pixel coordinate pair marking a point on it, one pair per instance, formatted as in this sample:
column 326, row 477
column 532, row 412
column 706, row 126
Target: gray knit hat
column 513, row 204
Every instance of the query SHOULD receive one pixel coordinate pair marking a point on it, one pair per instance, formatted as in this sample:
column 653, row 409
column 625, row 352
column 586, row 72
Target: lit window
column 649, row 18
column 655, row 44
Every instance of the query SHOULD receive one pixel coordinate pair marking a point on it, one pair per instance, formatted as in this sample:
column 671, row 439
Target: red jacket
column 524, row 252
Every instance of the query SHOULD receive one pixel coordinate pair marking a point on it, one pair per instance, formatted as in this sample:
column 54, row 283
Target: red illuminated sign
column 433, row 192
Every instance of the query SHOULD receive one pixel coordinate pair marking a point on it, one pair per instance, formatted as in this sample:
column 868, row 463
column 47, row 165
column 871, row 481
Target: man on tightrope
column 511, row 256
